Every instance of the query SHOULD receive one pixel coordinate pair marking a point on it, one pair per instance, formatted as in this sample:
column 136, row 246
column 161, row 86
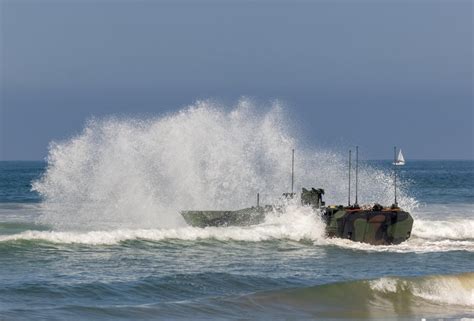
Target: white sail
column 400, row 158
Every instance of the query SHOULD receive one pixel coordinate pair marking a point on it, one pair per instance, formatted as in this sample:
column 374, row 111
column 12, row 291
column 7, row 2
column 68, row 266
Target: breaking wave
column 443, row 289
column 122, row 173
column 433, row 295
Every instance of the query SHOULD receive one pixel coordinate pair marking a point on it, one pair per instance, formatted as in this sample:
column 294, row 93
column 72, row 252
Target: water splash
column 136, row 173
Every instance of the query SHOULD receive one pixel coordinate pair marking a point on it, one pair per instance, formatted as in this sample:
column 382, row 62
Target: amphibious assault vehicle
column 376, row 224
column 368, row 224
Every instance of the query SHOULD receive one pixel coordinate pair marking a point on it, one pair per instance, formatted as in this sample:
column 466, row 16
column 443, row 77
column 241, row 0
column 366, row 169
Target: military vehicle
column 375, row 224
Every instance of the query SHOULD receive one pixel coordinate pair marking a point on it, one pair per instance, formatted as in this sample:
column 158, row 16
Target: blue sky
column 372, row 73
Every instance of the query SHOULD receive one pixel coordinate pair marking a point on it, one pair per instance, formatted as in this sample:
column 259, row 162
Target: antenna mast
column 292, row 170
column 357, row 175
column 350, row 167
column 395, row 174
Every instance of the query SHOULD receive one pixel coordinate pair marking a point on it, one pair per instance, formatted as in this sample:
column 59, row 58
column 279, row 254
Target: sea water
column 94, row 232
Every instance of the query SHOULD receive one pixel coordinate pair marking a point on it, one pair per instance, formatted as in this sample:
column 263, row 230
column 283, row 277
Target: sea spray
column 137, row 173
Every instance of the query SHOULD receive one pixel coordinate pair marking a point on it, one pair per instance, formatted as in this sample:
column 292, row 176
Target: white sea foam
column 132, row 173
column 296, row 224
column 385, row 285
column 454, row 229
column 412, row 245
column 409, row 246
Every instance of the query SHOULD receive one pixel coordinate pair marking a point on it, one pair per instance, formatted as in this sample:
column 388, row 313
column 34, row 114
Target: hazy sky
column 373, row 73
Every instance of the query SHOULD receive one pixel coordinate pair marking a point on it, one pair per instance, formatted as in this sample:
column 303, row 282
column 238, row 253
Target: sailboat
column 400, row 159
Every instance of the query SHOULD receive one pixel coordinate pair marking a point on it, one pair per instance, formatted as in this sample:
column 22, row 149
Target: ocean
column 94, row 232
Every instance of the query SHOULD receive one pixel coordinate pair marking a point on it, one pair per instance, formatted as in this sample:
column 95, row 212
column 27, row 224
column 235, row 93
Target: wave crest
column 444, row 289
column 395, row 297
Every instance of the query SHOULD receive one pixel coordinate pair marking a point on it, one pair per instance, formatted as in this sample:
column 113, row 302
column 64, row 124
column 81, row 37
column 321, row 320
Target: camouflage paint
column 386, row 226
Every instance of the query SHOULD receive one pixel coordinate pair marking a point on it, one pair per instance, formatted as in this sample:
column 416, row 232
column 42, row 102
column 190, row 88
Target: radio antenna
column 357, row 175
column 292, row 170
column 395, row 174
column 350, row 167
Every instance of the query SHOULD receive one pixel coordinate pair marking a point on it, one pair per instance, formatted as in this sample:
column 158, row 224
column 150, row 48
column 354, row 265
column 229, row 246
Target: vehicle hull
column 381, row 226
column 377, row 227
column 243, row 217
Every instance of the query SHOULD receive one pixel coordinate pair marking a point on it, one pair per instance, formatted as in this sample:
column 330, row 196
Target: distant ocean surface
column 280, row 270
